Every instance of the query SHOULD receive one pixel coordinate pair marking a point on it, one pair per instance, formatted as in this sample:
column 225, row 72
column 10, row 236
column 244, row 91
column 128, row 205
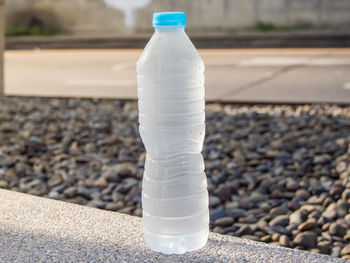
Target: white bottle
column 170, row 75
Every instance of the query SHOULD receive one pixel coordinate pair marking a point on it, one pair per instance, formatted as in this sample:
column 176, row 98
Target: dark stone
column 336, row 190
column 224, row 221
column 224, row 193
column 217, row 213
column 285, row 157
column 281, row 220
column 306, row 239
column 302, row 194
column 236, row 213
column 244, row 230
column 214, row 201
column 337, row 229
column 279, row 230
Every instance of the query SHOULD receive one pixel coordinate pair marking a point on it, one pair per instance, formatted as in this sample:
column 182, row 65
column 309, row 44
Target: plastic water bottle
column 170, row 75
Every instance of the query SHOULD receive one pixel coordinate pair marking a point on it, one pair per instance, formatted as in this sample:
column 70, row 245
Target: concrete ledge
column 288, row 39
column 35, row 229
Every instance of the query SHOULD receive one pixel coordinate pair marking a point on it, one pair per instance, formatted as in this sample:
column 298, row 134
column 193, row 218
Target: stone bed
column 277, row 174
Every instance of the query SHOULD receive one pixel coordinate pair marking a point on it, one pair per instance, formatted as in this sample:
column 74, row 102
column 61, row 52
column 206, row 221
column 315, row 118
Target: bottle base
column 176, row 244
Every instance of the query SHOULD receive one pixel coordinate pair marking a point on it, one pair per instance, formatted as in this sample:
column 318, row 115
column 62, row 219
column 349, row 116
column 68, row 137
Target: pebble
column 266, row 239
column 236, row 213
column 321, row 159
column 281, row 220
column 337, row 229
column 346, row 195
column 54, row 195
column 275, row 237
column 116, row 196
column 97, row 204
column 70, row 191
column 3, row 184
column 347, row 235
column 284, row 241
column 291, row 184
column 345, row 250
column 306, row 239
column 262, row 224
column 217, row 213
column 341, row 208
column 126, row 185
column 325, row 227
column 114, row 173
column 302, row 194
column 127, row 210
column 285, row 157
column 214, row 201
column 114, row 206
column 336, row 190
column 336, row 252
column 138, row 212
column 244, row 230
column 101, row 182
column 278, row 211
column 330, row 213
column 279, row 229
column 224, row 193
column 307, row 225
column 256, row 197
column 324, row 247
column 224, row 221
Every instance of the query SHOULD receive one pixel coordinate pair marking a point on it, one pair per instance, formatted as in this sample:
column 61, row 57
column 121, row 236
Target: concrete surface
column 36, row 229
column 2, row 42
column 261, row 75
column 120, row 17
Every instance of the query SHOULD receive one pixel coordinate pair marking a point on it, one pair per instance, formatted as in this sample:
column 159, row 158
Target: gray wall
column 111, row 17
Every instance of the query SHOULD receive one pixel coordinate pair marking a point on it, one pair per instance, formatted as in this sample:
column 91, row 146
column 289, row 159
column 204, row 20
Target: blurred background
column 122, row 17
column 277, row 145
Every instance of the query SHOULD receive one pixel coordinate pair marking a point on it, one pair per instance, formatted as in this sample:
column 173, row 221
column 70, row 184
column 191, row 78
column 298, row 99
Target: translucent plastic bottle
column 170, row 75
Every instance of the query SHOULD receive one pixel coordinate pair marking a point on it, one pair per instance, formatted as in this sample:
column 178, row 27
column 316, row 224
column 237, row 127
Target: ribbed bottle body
column 172, row 127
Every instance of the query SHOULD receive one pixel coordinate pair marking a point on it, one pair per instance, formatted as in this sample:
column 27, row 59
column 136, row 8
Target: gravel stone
column 224, row 193
column 244, row 230
column 262, row 162
column 281, row 220
column 291, row 184
column 306, row 239
column 256, row 197
column 278, row 211
column 345, row 250
column 336, row 252
column 302, row 194
column 214, row 201
column 224, row 221
column 337, row 229
column 324, row 247
column 284, row 241
column 307, row 225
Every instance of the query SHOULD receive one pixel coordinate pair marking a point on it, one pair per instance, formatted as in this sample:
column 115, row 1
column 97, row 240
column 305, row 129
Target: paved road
column 265, row 75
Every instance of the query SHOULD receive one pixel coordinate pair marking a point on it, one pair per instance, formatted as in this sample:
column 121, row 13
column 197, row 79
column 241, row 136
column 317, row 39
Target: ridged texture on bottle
column 171, row 115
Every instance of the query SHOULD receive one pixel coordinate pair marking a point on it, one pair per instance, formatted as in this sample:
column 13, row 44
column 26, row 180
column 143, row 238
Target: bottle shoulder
column 170, row 53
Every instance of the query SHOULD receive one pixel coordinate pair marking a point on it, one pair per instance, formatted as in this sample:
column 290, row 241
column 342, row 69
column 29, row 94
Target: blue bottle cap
column 169, row 19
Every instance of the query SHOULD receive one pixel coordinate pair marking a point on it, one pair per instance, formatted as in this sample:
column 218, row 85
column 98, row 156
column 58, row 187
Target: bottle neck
column 169, row 29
